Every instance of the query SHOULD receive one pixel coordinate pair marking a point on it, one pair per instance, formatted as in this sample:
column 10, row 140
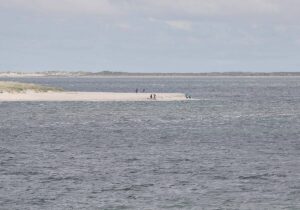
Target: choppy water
column 237, row 148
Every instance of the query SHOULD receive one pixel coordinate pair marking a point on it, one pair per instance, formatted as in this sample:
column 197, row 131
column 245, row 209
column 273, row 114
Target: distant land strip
column 128, row 74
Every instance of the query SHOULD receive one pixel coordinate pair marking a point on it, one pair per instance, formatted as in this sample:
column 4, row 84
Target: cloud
column 175, row 24
column 156, row 7
column 180, row 24
column 100, row 7
column 124, row 26
column 211, row 7
column 168, row 10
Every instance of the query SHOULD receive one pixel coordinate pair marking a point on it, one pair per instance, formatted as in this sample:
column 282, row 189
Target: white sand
column 14, row 74
column 89, row 96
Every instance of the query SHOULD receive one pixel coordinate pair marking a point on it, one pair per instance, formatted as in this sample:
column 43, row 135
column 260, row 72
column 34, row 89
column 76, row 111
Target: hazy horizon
column 146, row 36
column 212, row 73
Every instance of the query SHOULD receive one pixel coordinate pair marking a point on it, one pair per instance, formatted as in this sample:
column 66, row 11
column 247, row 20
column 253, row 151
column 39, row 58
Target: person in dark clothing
column 136, row 90
column 188, row 96
column 154, row 96
column 151, row 96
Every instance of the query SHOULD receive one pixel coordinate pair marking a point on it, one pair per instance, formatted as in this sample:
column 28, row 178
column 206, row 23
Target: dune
column 88, row 96
column 18, row 87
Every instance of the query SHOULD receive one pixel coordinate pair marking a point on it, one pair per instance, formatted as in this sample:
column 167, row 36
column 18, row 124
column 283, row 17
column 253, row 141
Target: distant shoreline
column 108, row 74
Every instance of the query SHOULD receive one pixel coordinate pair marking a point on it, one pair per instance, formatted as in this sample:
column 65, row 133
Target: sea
column 235, row 146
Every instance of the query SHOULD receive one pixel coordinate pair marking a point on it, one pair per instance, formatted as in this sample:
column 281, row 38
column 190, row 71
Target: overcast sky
column 150, row 35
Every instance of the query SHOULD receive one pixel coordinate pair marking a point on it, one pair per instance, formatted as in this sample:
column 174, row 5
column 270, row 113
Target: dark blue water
column 236, row 148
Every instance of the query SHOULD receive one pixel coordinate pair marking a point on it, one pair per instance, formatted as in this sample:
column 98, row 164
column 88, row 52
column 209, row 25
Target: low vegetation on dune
column 23, row 87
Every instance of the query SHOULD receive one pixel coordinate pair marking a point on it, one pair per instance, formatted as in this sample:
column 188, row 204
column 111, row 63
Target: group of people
column 187, row 96
column 152, row 96
column 137, row 90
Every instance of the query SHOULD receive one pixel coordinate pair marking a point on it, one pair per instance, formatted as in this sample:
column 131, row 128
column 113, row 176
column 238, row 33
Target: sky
column 150, row 35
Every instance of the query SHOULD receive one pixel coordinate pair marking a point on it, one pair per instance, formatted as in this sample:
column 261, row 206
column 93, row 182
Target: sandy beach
column 88, row 96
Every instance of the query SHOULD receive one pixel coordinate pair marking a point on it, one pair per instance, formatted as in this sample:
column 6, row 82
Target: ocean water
column 238, row 147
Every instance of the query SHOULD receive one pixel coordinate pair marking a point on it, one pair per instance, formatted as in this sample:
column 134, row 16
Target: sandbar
column 88, row 96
